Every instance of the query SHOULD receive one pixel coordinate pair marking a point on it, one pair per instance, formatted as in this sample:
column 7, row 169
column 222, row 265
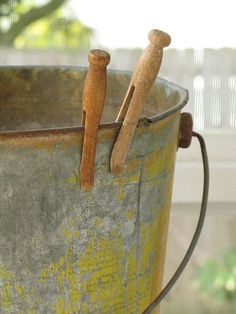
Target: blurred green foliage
column 27, row 24
column 57, row 32
column 217, row 278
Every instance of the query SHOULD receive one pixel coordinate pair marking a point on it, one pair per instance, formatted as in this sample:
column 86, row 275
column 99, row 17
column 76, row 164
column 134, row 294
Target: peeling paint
column 107, row 260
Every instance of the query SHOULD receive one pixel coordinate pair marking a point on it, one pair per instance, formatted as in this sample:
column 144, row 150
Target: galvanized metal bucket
column 64, row 250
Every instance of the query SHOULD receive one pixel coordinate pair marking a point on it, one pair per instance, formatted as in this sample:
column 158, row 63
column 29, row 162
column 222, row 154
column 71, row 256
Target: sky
column 126, row 23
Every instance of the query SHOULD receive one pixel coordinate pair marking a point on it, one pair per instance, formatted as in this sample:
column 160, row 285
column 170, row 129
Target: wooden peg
column 143, row 78
column 92, row 106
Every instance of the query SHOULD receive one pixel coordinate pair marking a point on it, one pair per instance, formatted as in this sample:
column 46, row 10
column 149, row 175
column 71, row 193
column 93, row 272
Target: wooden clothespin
column 143, row 78
column 92, row 105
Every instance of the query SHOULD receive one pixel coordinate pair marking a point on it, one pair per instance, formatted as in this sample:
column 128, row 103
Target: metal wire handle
column 197, row 233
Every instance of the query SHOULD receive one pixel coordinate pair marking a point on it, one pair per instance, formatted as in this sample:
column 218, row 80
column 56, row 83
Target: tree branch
column 32, row 15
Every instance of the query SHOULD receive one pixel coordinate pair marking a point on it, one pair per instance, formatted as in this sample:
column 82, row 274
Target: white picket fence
column 208, row 74
column 210, row 77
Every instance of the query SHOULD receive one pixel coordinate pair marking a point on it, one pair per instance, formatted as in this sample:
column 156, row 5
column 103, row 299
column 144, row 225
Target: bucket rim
column 62, row 130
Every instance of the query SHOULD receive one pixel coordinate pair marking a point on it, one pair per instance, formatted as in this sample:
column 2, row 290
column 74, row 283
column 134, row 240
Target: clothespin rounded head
column 99, row 58
column 159, row 38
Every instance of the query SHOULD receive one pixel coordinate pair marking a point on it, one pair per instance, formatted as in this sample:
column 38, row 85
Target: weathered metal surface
column 64, row 250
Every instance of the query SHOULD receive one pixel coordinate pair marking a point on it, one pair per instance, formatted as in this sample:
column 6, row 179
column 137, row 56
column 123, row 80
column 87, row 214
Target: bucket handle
column 185, row 119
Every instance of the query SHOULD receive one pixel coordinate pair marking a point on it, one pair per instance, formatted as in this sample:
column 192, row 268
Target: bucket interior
column 51, row 97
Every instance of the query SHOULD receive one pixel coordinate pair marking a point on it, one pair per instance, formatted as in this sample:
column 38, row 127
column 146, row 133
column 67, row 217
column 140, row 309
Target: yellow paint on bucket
column 99, row 251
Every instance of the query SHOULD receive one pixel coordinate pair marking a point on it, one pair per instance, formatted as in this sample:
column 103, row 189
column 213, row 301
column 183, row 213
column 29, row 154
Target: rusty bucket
column 62, row 249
